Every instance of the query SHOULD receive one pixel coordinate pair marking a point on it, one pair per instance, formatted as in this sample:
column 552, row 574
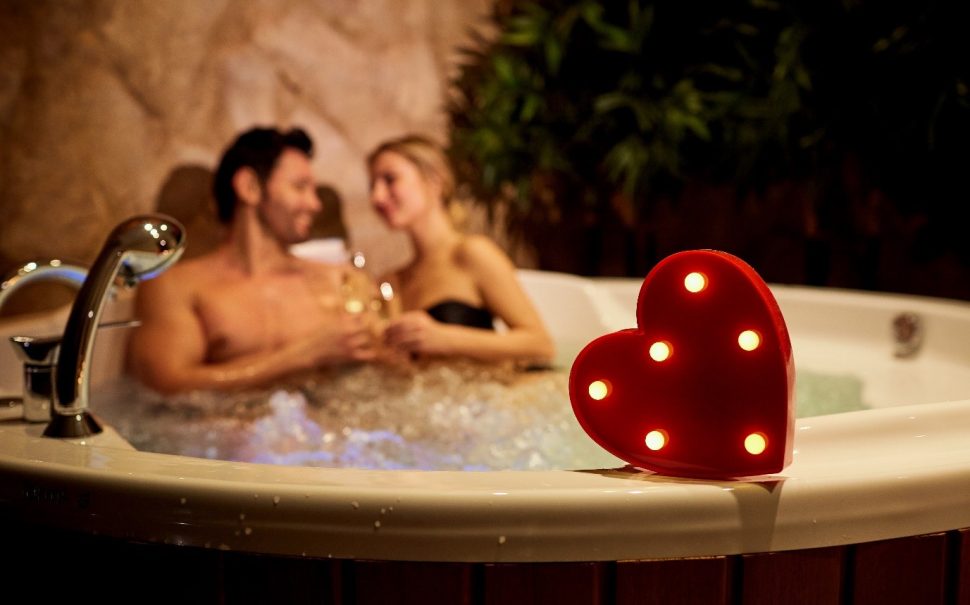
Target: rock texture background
column 102, row 100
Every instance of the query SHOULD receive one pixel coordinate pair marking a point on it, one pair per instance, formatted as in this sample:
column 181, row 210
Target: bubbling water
column 454, row 415
column 429, row 415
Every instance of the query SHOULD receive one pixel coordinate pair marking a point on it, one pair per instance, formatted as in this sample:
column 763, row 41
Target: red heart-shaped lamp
column 703, row 387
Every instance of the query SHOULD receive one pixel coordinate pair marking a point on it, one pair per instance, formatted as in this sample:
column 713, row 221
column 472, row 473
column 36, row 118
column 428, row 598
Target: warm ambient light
column 695, row 282
column 655, row 440
column 749, row 340
column 755, row 443
column 660, row 351
column 599, row 389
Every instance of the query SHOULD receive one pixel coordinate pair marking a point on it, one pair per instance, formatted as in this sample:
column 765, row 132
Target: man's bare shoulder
column 190, row 276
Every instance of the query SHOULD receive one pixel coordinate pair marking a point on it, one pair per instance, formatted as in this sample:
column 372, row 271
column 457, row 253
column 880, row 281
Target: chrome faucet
column 38, row 354
column 41, row 270
column 137, row 249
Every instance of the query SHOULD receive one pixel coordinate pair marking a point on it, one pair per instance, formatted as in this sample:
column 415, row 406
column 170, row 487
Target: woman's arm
column 496, row 278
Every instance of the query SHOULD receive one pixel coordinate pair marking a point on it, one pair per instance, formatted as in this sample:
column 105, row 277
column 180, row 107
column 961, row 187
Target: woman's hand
column 417, row 332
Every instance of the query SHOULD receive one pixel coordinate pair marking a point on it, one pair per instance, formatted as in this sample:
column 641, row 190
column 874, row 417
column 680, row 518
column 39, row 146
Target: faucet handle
column 37, row 351
column 38, row 355
column 43, row 350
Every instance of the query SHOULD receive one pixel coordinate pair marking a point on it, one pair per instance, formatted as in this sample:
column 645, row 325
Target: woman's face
column 398, row 190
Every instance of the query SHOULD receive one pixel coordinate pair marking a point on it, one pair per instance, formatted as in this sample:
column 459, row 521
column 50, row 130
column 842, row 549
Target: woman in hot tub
column 456, row 284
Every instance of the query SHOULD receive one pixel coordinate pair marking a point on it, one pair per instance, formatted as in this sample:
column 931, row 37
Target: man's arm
column 168, row 351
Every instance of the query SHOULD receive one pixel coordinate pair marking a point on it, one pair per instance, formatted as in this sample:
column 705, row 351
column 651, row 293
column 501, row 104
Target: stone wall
column 101, row 100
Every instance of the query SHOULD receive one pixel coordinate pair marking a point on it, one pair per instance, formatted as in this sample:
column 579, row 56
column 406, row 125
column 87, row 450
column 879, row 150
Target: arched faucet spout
column 51, row 269
column 137, row 249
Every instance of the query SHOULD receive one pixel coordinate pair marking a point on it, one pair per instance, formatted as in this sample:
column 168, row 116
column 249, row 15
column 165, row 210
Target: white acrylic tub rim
column 860, row 476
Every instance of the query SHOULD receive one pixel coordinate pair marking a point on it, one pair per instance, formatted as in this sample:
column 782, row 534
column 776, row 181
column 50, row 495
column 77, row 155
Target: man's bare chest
column 261, row 314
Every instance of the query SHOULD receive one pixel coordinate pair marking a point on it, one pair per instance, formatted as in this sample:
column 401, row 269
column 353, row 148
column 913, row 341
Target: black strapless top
column 457, row 312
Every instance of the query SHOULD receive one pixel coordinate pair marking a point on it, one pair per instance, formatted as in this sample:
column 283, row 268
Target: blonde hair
column 426, row 155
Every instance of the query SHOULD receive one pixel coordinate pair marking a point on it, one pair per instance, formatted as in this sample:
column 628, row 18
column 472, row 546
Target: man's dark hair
column 259, row 149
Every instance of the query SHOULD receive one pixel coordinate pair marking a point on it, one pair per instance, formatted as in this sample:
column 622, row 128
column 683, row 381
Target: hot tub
column 874, row 507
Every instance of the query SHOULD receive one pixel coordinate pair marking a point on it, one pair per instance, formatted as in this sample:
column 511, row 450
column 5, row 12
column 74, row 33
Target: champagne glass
column 362, row 293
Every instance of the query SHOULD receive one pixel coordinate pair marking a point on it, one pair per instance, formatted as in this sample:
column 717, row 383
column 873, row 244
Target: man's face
column 290, row 198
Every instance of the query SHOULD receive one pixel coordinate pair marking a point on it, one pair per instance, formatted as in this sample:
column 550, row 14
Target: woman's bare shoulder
column 479, row 247
column 481, row 252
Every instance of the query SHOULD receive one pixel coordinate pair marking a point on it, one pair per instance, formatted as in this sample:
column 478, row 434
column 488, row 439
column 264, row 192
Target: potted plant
column 580, row 119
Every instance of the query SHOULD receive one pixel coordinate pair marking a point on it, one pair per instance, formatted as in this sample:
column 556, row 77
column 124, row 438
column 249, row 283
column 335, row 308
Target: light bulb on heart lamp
column 703, row 386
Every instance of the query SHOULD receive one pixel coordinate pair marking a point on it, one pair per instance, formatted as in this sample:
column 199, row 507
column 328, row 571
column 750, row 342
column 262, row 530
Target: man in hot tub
column 250, row 312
